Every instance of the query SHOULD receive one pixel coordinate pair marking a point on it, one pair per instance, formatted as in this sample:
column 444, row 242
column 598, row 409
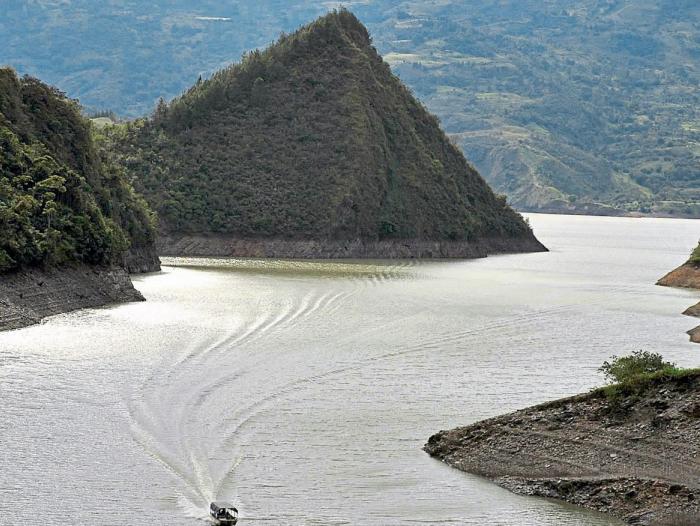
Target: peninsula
column 630, row 450
column 312, row 148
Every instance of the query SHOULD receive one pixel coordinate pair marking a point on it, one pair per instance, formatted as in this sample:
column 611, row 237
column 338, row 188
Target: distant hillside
column 314, row 139
column 60, row 203
column 574, row 105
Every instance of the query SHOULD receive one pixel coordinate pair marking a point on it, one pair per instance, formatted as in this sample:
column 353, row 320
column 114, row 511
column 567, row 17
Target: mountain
column 687, row 276
column 575, row 106
column 61, row 202
column 312, row 148
column 70, row 224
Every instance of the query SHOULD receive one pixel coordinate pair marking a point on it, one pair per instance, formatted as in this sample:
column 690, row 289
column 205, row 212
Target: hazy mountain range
column 585, row 105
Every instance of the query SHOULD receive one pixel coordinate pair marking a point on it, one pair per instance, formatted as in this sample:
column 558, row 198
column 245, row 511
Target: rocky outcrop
column 223, row 246
column 694, row 334
column 28, row 296
column 632, row 453
column 140, row 260
column 686, row 276
column 695, row 312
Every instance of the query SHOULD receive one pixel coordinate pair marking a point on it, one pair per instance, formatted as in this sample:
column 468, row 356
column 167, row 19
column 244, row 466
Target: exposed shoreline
column 28, row 296
column 686, row 276
column 228, row 246
column 635, row 456
column 601, row 210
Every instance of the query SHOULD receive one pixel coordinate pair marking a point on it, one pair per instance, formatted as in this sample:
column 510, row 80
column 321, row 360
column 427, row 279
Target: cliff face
column 687, row 275
column 28, row 296
column 312, row 142
column 70, row 224
column 633, row 455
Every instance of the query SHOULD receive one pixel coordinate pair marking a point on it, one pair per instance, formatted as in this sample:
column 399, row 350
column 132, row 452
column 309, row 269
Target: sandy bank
column 634, row 456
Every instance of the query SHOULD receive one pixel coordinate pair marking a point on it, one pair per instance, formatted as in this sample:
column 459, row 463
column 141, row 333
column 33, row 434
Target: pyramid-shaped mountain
column 313, row 148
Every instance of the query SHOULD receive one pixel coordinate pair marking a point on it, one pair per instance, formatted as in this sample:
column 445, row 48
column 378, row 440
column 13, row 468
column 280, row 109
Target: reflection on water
column 304, row 390
column 372, row 270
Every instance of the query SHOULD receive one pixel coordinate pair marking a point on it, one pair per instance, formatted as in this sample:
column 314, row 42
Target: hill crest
column 313, row 138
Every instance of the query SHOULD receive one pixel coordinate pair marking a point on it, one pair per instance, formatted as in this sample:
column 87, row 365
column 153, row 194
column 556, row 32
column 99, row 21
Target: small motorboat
column 223, row 513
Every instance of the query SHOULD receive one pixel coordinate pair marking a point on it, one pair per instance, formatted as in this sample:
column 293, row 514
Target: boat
column 223, row 513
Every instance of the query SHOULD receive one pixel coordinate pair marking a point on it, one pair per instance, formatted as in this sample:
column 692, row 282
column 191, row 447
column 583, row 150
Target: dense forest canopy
column 312, row 138
column 560, row 105
column 60, row 203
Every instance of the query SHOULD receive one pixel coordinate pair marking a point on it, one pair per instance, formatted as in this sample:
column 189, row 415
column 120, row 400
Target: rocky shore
column 632, row 452
column 226, row 246
column 28, row 296
column 140, row 260
column 686, row 276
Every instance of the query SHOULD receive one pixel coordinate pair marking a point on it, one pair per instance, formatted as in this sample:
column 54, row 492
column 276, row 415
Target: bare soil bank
column 685, row 276
column 28, row 296
column 140, row 260
column 226, row 246
column 634, row 456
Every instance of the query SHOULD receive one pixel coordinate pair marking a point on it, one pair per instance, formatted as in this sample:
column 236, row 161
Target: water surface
column 304, row 391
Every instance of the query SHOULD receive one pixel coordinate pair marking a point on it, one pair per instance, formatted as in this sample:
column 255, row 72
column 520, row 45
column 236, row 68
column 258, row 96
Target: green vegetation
column 587, row 105
column 626, row 368
column 636, row 386
column 695, row 256
column 59, row 202
column 631, row 376
column 312, row 138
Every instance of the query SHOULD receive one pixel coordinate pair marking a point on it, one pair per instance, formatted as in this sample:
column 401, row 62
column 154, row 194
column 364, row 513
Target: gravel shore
column 633, row 454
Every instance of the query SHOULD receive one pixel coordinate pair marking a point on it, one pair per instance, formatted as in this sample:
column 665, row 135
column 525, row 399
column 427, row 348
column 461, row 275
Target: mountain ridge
column 574, row 106
column 312, row 139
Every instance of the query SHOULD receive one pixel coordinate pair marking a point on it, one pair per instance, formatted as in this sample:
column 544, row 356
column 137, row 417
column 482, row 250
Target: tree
column 625, row 368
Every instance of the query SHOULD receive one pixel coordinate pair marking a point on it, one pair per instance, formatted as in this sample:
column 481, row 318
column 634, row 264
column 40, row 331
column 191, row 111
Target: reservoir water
column 304, row 391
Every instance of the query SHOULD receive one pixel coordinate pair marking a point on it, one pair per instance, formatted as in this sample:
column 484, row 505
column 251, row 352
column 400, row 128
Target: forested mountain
column 560, row 105
column 311, row 139
column 60, row 202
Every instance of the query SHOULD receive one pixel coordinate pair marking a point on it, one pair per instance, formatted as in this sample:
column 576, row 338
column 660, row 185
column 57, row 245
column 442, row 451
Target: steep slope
column 628, row 450
column 575, row 105
column 70, row 226
column 313, row 148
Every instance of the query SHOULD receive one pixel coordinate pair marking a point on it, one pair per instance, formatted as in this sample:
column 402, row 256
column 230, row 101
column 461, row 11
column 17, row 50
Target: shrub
column 625, row 368
column 695, row 256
